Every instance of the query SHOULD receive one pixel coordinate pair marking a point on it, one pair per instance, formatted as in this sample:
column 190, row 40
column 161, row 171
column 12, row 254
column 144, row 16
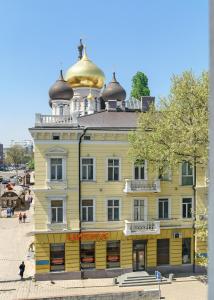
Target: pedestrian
column 20, row 217
column 21, row 270
column 29, row 191
column 24, row 217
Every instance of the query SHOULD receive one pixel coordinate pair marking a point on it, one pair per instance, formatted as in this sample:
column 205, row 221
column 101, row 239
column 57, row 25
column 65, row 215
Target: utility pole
column 211, row 161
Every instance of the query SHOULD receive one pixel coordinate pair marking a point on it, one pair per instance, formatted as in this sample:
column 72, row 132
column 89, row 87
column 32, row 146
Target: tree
column 178, row 130
column 202, row 235
column 16, row 155
column 140, row 85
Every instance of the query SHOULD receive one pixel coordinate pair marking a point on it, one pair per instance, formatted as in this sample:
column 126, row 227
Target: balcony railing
column 141, row 227
column 55, row 120
column 141, row 185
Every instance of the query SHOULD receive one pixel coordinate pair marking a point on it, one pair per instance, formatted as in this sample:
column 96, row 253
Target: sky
column 38, row 38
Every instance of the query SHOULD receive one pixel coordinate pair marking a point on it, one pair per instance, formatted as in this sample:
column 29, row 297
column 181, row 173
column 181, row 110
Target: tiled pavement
column 184, row 288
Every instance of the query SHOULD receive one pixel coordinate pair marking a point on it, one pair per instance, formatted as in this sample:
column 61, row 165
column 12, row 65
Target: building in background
column 97, row 213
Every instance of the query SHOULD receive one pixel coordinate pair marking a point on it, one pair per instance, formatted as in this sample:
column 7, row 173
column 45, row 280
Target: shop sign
column 87, row 236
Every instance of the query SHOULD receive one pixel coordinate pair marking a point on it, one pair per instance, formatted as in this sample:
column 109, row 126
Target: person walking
column 24, row 217
column 21, row 270
column 20, row 217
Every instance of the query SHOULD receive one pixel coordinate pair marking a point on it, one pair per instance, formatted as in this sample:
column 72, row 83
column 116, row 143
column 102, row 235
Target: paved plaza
column 184, row 288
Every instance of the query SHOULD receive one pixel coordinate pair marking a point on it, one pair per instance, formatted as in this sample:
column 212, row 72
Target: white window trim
column 94, row 209
column 120, row 168
column 183, row 197
column 193, row 176
column 94, row 168
column 60, row 197
column 169, row 207
column 56, row 153
column 145, row 208
column 120, row 208
column 145, row 167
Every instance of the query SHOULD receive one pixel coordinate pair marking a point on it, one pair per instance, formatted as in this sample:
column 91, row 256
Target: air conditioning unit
column 177, row 235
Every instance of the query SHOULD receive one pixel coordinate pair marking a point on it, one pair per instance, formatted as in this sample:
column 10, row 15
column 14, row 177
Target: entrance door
column 139, row 255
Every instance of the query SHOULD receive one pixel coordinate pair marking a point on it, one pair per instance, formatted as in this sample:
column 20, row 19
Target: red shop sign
column 87, row 236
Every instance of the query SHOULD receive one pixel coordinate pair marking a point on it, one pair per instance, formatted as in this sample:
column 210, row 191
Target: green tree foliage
column 140, row 85
column 15, row 155
column 178, row 129
column 202, row 235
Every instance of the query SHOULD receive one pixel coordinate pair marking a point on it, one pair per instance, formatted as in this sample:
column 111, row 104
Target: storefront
column 108, row 254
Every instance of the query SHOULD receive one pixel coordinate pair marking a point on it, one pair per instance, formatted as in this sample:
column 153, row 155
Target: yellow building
column 98, row 214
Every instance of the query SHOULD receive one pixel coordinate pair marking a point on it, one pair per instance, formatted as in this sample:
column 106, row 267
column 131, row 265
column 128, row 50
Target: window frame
column 192, row 209
column 181, row 175
column 113, row 198
column 52, row 198
column 107, row 159
column 56, row 169
column 145, row 208
column 94, row 169
column 56, row 153
column 169, row 208
column 94, row 209
column 145, row 170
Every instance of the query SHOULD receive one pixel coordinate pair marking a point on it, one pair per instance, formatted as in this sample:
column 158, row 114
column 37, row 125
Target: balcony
column 55, row 120
column 141, row 185
column 141, row 227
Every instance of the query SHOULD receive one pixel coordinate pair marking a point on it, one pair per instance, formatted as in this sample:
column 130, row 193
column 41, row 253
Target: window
column 163, row 252
column 87, row 210
column 113, row 254
column 139, row 210
column 139, row 171
column 56, row 136
column 61, row 110
column 87, row 169
column 163, row 208
column 113, row 210
column 186, row 251
column 187, row 207
column 56, row 168
column 187, row 173
column 57, row 211
column 87, row 137
column 57, row 257
column 113, row 169
column 87, row 255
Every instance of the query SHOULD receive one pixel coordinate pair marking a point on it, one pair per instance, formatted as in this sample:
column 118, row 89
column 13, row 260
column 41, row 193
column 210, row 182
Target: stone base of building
column 107, row 273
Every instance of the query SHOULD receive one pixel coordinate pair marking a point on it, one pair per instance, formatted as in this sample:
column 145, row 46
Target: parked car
column 5, row 181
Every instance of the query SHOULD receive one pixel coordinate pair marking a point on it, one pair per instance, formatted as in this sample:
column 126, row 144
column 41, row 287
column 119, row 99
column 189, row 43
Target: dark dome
column 114, row 91
column 61, row 90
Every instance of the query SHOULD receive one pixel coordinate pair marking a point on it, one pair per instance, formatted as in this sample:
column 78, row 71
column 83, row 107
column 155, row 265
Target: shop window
column 113, row 254
column 56, row 211
column 113, row 210
column 163, row 208
column 57, row 257
column 87, row 169
column 87, row 210
column 139, row 210
column 187, row 173
column 163, row 252
column 186, row 251
column 187, row 208
column 87, row 255
column 113, row 169
column 56, row 168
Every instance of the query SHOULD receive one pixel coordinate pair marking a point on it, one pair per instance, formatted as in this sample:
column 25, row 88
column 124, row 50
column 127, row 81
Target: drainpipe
column 79, row 157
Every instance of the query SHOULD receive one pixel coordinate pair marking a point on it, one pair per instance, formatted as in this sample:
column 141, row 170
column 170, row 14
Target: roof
column 110, row 119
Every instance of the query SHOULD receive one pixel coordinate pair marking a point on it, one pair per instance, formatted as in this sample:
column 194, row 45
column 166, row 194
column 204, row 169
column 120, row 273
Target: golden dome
column 85, row 74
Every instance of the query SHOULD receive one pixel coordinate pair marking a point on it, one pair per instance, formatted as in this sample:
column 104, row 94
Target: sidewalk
column 15, row 241
column 184, row 288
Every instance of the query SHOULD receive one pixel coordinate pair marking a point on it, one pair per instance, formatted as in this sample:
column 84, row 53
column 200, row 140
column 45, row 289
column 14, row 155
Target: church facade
column 98, row 214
